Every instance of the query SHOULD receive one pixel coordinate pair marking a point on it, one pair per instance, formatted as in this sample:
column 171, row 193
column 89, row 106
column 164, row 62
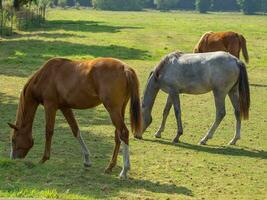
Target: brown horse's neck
column 26, row 111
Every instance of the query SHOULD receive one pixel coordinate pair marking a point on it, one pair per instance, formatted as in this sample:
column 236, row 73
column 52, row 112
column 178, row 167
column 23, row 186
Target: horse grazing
column 200, row 73
column 65, row 85
column 222, row 41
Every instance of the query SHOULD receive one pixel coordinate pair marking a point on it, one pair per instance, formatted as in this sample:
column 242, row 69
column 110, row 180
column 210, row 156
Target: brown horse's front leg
column 50, row 115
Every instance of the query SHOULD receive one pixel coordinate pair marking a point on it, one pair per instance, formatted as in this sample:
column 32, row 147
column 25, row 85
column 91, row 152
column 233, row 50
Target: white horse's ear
column 13, row 126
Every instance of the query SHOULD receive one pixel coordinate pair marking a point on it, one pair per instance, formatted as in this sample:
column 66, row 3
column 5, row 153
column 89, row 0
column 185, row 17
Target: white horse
column 200, row 73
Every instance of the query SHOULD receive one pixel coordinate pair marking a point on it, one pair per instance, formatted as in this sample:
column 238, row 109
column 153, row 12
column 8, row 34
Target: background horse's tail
column 243, row 45
column 202, row 42
column 244, row 93
column 135, row 105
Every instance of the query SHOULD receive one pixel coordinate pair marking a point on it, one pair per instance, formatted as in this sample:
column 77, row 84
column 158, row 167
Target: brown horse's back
column 222, row 41
column 81, row 84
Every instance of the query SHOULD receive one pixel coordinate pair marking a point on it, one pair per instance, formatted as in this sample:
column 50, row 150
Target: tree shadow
column 84, row 26
column 221, row 150
column 22, row 57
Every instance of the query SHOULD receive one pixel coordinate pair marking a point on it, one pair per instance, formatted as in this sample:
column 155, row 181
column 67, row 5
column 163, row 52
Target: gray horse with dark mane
column 200, row 73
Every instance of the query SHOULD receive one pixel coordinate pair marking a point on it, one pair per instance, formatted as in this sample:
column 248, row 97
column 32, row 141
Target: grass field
column 160, row 169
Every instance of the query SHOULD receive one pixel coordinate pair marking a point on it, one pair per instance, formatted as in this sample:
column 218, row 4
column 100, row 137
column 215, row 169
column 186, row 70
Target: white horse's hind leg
column 234, row 97
column 220, row 113
column 164, row 117
column 85, row 151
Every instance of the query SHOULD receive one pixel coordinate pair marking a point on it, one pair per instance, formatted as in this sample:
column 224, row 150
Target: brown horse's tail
column 244, row 93
column 201, row 43
column 243, row 45
column 135, row 105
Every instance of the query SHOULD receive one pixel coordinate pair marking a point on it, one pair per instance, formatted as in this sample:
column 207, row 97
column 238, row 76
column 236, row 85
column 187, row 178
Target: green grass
column 160, row 170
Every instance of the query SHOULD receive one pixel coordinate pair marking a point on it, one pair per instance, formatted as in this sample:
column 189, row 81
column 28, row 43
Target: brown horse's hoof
column 42, row 161
column 138, row 137
column 108, row 171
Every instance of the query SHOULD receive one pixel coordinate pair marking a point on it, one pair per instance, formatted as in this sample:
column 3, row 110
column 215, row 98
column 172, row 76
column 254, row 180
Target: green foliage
column 167, row 4
column 250, row 6
column 203, row 5
column 117, row 4
column 186, row 4
column 147, row 3
column 225, row 5
column 62, row 3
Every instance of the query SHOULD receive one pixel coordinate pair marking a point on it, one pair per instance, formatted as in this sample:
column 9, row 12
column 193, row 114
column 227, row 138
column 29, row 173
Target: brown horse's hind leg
column 121, row 136
column 50, row 116
column 68, row 114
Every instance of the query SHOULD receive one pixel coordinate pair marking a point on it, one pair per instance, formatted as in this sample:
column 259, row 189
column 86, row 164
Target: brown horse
column 65, row 84
column 222, row 41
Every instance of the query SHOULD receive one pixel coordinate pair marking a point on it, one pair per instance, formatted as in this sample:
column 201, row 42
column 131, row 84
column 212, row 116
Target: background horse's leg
column 164, row 117
column 50, row 116
column 219, row 98
column 234, row 97
column 68, row 114
column 177, row 109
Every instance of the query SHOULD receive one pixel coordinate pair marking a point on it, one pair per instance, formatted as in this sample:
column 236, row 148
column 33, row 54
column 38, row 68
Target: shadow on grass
column 84, row 26
column 221, row 150
column 22, row 57
column 64, row 172
column 258, row 85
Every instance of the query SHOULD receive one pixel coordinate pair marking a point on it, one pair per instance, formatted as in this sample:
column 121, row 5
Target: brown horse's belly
column 81, row 100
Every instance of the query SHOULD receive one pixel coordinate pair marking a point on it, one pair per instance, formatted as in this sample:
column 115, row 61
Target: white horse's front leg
column 126, row 160
column 164, row 117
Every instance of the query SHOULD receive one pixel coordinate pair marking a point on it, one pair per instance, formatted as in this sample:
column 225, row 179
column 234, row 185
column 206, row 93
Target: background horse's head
column 21, row 142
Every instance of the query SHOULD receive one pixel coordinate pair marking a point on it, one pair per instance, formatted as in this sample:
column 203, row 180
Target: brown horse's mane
column 201, row 41
column 21, row 106
column 165, row 61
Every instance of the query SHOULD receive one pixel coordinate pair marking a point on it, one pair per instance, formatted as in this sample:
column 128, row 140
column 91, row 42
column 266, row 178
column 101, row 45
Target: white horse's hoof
column 157, row 135
column 232, row 142
column 123, row 175
column 202, row 142
column 87, row 164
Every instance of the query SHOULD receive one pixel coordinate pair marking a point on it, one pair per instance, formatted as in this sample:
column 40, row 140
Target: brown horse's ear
column 13, row 126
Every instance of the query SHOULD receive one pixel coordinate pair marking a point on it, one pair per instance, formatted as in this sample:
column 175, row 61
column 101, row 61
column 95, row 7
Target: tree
column 167, row 4
column 202, row 5
column 225, row 5
column 249, row 6
column 117, row 4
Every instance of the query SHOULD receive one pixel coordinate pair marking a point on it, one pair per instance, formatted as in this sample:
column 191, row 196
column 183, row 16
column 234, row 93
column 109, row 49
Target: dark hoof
column 108, row 171
column 202, row 143
column 138, row 137
column 87, row 164
column 43, row 160
column 175, row 140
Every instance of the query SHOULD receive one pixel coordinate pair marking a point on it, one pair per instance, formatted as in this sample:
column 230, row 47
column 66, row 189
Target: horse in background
column 199, row 73
column 63, row 84
column 222, row 41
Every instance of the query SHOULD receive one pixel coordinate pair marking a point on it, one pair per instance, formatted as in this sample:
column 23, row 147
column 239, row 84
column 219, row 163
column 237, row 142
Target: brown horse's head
column 21, row 142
